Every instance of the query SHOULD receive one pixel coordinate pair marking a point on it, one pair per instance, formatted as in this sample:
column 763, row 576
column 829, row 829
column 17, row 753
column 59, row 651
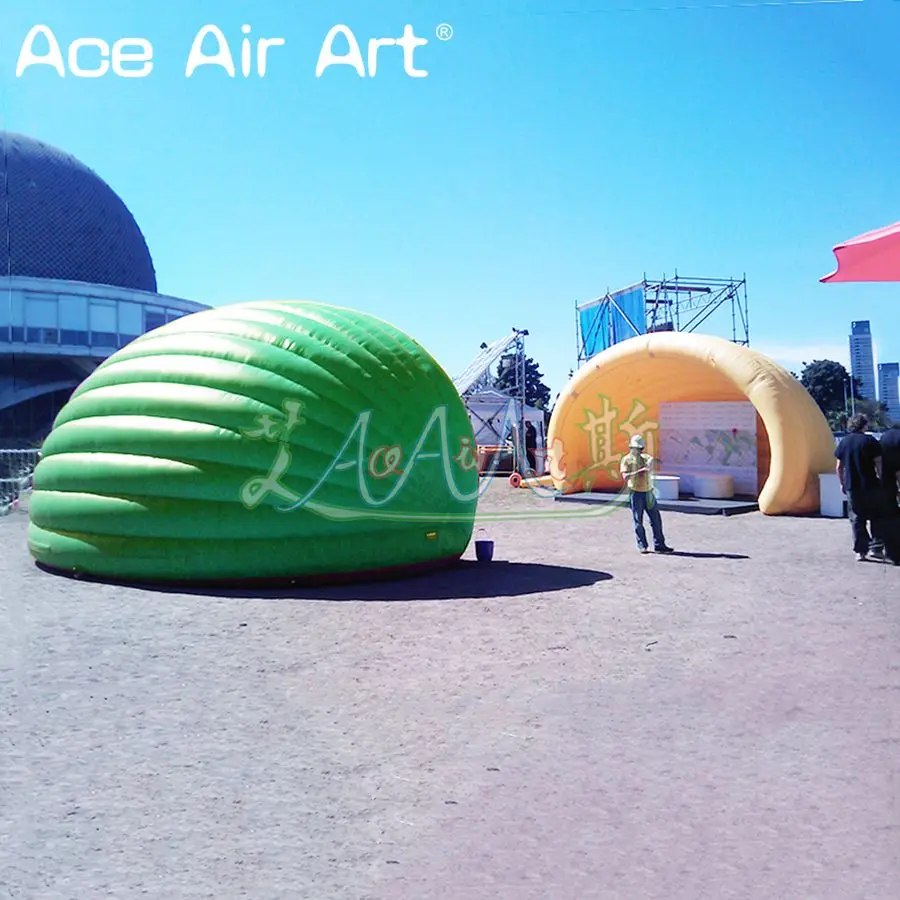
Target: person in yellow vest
column 636, row 469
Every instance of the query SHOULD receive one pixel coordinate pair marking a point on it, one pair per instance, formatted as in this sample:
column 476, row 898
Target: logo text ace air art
column 247, row 56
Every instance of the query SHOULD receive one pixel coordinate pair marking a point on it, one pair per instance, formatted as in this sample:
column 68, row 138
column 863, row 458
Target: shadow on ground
column 708, row 555
column 464, row 581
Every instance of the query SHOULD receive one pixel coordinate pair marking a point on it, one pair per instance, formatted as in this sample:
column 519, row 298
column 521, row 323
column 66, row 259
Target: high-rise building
column 889, row 389
column 862, row 363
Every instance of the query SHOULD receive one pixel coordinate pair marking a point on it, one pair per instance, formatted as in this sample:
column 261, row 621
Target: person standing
column 636, row 469
column 531, row 447
column 858, row 468
column 890, row 483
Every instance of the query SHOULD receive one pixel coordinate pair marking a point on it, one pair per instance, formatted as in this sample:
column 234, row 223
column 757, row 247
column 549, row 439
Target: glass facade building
column 54, row 333
column 49, row 317
column 889, row 389
column 862, row 362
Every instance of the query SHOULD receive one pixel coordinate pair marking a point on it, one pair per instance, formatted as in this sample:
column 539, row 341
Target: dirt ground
column 573, row 721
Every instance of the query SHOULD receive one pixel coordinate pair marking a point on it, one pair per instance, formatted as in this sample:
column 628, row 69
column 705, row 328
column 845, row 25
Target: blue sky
column 556, row 149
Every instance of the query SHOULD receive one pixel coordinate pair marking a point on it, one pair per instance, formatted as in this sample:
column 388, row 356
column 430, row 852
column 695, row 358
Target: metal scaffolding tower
column 684, row 304
column 477, row 375
column 673, row 303
column 509, row 351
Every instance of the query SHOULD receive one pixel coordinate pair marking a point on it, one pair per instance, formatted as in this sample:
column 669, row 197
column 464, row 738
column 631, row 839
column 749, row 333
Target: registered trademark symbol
column 444, row 32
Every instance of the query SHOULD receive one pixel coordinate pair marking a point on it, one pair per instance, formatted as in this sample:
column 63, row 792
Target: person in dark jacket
column 531, row 445
column 890, row 483
column 890, row 463
column 859, row 470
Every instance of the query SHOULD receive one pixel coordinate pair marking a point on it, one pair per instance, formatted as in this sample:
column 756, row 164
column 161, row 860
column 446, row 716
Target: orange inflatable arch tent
column 632, row 378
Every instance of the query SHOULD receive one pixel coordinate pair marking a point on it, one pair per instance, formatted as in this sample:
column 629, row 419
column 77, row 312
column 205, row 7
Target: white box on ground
column 685, row 482
column 713, row 487
column 667, row 486
column 831, row 497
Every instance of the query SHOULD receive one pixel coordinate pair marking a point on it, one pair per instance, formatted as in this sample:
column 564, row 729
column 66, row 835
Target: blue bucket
column 484, row 548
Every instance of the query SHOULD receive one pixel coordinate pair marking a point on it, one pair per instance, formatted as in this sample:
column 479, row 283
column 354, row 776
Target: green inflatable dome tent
column 259, row 441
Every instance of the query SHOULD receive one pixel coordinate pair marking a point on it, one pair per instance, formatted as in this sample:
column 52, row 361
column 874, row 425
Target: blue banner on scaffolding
column 616, row 318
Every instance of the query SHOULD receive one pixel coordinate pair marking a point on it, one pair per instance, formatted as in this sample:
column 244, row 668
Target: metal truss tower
column 669, row 304
column 684, row 304
column 509, row 351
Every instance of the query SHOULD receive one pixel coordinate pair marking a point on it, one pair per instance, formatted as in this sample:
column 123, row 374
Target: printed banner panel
column 710, row 438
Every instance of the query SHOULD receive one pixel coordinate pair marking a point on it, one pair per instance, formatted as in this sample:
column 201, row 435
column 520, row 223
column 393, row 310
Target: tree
column 876, row 413
column 830, row 385
column 537, row 393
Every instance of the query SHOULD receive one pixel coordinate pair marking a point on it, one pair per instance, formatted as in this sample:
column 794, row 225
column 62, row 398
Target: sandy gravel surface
column 574, row 721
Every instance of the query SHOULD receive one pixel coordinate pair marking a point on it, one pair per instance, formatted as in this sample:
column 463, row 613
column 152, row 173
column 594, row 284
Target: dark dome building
column 63, row 221
column 77, row 282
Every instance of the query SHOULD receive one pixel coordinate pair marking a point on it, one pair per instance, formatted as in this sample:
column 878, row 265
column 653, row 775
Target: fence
column 16, row 477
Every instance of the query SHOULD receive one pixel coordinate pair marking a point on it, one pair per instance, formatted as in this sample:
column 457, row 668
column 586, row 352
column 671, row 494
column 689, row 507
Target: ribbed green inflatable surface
column 258, row 441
